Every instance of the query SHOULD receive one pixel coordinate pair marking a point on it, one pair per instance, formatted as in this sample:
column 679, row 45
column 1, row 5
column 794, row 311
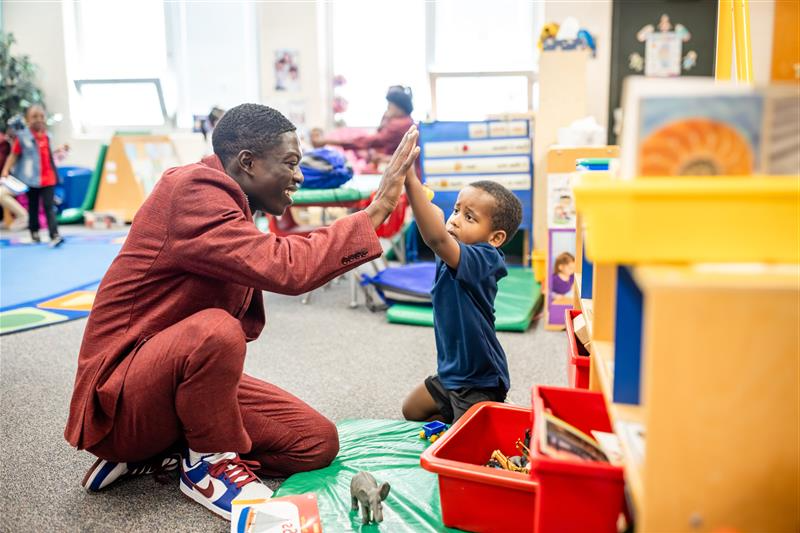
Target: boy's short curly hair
column 507, row 214
column 253, row 127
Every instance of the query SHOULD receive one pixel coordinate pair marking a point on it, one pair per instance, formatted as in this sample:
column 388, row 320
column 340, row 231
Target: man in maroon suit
column 161, row 362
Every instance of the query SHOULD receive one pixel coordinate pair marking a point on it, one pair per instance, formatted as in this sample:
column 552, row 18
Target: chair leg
column 353, row 290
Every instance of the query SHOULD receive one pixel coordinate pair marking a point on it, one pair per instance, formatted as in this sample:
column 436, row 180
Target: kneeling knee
column 327, row 446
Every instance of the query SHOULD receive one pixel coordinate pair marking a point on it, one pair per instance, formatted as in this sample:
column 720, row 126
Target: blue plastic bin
column 73, row 187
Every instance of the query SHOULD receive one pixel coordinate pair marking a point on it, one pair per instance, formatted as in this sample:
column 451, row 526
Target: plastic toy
column 365, row 490
column 432, row 430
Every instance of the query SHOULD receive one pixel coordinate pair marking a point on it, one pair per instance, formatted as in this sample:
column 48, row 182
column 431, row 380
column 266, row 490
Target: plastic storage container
column 689, row 219
column 575, row 496
column 475, row 497
column 577, row 356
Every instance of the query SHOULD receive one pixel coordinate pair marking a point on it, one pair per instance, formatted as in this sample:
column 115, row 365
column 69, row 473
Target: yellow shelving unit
column 720, row 353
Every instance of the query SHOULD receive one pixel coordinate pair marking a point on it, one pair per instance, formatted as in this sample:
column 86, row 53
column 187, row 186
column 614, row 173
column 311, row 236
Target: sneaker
column 216, row 479
column 56, row 241
column 103, row 473
column 35, row 236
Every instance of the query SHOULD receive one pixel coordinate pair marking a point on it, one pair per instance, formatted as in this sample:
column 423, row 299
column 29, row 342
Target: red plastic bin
column 577, row 356
column 575, row 496
column 475, row 497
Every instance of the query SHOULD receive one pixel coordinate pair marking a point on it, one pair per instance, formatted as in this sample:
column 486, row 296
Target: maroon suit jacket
column 193, row 246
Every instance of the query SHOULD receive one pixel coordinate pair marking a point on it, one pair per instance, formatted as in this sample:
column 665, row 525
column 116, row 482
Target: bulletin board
column 454, row 154
column 561, row 224
column 133, row 165
column 690, row 25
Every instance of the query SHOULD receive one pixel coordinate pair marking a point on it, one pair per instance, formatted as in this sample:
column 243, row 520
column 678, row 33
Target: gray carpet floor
column 347, row 363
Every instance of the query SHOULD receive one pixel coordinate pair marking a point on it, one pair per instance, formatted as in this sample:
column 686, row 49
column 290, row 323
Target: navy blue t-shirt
column 468, row 352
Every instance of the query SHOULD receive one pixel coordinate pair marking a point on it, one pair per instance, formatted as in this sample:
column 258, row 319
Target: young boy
column 33, row 157
column 471, row 364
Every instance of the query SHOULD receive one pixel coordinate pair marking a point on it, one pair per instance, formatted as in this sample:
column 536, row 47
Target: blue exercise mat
column 31, row 272
column 40, row 286
column 411, row 282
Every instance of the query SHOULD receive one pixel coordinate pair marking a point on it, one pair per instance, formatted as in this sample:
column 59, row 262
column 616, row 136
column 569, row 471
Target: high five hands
column 393, row 180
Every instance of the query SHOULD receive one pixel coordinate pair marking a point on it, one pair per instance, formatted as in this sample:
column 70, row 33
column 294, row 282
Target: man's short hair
column 253, row 127
column 507, row 214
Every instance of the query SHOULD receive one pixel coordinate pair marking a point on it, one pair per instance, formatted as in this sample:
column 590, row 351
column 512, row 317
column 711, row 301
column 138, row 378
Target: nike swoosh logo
column 207, row 492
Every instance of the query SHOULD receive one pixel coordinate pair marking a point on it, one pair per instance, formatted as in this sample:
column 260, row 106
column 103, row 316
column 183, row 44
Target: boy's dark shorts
column 454, row 403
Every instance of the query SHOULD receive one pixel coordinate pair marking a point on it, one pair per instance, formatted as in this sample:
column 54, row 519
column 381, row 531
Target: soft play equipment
column 407, row 283
column 134, row 163
column 74, row 215
column 73, row 184
column 390, row 450
column 518, row 295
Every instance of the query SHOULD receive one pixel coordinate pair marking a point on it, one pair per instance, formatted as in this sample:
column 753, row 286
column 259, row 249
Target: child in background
column 7, row 200
column 32, row 160
column 563, row 275
column 471, row 364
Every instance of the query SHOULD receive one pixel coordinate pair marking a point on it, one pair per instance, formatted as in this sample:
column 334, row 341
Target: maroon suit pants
column 185, row 385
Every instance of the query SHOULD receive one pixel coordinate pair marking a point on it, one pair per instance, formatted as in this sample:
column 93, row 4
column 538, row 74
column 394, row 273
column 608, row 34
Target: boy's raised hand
column 391, row 185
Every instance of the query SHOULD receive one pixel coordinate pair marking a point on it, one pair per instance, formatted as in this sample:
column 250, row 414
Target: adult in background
column 394, row 123
column 162, row 355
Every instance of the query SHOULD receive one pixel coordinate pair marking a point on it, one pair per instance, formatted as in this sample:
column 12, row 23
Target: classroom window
column 175, row 42
column 376, row 45
column 476, row 35
column 476, row 97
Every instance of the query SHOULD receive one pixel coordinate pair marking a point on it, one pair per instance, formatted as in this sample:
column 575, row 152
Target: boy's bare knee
column 412, row 412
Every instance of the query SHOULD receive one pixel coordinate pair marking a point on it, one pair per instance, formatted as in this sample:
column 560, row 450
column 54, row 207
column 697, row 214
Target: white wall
column 39, row 31
column 298, row 26
column 595, row 16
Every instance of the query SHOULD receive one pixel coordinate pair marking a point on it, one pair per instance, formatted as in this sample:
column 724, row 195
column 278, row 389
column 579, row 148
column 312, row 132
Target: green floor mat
column 389, row 450
column 74, row 215
column 518, row 295
column 325, row 196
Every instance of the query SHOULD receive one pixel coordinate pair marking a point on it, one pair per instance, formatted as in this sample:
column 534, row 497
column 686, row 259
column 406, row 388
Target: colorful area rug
column 40, row 286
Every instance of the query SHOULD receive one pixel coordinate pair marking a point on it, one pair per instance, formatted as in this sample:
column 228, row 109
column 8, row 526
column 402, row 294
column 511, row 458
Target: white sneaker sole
column 96, row 469
column 202, row 500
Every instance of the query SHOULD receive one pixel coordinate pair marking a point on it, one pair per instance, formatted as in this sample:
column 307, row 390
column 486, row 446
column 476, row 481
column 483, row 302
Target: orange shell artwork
column 695, row 147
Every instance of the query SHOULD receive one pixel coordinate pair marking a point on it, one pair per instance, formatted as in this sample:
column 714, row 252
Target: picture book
column 690, row 127
column 562, row 440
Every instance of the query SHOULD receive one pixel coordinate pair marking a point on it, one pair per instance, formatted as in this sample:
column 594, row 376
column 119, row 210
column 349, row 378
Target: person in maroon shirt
column 161, row 363
column 394, row 124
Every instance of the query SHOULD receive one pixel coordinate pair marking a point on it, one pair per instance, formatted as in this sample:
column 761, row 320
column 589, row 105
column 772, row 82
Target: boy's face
column 471, row 221
column 272, row 178
column 35, row 118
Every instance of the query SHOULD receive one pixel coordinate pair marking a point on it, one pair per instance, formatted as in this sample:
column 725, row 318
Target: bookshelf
column 720, row 354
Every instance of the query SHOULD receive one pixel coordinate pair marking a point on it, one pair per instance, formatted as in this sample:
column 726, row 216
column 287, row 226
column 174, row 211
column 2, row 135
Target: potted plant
column 18, row 89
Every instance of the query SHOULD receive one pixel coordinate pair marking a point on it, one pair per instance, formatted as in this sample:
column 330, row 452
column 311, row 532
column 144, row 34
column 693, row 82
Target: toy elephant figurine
column 365, row 490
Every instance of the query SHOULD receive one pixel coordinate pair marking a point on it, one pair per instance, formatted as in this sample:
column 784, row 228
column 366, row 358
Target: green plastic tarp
column 389, row 450
column 518, row 295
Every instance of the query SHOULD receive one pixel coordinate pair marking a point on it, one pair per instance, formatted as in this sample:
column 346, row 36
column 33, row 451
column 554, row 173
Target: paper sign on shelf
column 514, row 182
column 490, row 147
column 477, row 165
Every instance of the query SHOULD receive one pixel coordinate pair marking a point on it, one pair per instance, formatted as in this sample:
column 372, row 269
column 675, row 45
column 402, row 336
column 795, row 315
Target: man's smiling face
column 275, row 176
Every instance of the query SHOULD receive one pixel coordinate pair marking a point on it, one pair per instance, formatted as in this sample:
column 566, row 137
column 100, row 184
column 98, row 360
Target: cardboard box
column 298, row 514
